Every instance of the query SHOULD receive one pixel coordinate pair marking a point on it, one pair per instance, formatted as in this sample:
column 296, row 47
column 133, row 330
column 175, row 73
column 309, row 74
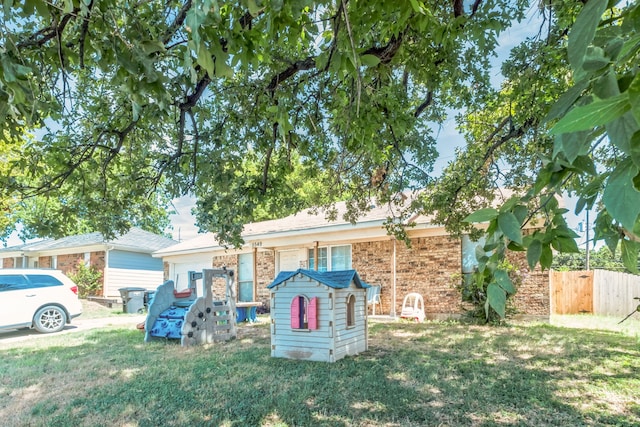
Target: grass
column 94, row 310
column 444, row 374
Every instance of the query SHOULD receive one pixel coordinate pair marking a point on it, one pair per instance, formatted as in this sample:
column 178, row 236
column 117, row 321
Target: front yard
column 445, row 374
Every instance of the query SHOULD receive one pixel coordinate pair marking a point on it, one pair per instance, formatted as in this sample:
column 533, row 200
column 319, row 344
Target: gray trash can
column 132, row 299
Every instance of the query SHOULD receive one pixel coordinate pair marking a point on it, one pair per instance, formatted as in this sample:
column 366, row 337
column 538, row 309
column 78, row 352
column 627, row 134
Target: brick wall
column 45, row 262
column 265, row 266
column 68, row 262
column 96, row 259
column 432, row 267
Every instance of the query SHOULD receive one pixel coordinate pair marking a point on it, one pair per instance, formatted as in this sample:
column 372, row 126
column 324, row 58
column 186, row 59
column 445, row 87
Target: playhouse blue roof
column 334, row 279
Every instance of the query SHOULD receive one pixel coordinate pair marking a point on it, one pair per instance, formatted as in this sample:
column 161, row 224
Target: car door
column 18, row 300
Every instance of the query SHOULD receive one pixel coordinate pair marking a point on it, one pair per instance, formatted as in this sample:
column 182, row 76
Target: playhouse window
column 304, row 313
column 351, row 310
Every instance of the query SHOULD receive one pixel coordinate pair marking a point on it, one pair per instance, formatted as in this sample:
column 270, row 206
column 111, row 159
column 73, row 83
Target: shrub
column 88, row 279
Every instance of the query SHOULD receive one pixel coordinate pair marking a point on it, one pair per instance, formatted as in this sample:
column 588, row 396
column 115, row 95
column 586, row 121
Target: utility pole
column 587, row 240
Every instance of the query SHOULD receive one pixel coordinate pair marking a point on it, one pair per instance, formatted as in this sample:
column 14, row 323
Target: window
column 12, row 282
column 469, row 258
column 245, row 277
column 304, row 313
column 43, row 281
column 351, row 311
column 331, row 258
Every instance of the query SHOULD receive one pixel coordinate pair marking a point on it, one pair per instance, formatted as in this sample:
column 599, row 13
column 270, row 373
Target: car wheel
column 49, row 319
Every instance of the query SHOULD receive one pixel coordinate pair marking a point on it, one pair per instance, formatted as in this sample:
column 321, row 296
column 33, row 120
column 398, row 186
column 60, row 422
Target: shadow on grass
column 430, row 374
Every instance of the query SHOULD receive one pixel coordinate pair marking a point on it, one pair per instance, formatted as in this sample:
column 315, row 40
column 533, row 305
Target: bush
column 473, row 290
column 88, row 279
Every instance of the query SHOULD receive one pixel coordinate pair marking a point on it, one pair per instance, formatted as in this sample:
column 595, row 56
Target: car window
column 11, row 282
column 43, row 280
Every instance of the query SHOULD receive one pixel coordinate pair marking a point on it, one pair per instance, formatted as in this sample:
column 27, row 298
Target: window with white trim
column 331, row 258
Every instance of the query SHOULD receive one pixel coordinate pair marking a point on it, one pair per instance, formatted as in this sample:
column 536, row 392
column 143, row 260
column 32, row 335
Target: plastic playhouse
column 193, row 320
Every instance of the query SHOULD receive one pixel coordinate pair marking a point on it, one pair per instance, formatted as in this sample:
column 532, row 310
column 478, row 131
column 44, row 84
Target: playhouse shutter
column 295, row 313
column 312, row 313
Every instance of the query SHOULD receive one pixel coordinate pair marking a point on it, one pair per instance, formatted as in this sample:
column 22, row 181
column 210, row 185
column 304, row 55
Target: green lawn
column 431, row 374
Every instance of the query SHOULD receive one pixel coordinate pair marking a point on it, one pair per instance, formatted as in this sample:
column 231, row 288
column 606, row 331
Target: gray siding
column 134, row 261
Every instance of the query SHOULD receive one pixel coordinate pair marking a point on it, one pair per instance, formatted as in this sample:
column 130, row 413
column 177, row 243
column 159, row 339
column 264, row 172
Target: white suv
column 42, row 299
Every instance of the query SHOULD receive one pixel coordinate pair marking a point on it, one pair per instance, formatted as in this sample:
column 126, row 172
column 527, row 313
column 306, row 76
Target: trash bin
column 132, row 299
column 148, row 299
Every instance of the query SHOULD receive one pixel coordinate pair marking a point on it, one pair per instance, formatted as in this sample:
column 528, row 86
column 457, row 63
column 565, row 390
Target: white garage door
column 289, row 260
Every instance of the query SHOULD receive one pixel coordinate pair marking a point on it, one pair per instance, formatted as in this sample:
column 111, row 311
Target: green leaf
column 546, row 257
column 566, row 100
column 416, row 6
column 533, row 253
column 482, row 215
column 595, row 59
column 253, row 7
column 621, row 130
column 571, row 145
column 630, row 255
column 205, row 60
column 510, row 226
column 599, row 112
column 635, row 148
column 369, row 60
column 620, row 197
column 634, row 97
column 583, row 31
column 497, row 298
column 504, row 281
column 565, row 244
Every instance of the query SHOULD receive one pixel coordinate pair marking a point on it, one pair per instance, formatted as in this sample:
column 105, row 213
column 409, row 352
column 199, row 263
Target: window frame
column 307, row 313
column 328, row 257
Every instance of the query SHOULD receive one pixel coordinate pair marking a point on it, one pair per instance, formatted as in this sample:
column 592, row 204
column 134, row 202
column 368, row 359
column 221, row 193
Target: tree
column 239, row 102
column 595, row 125
column 227, row 101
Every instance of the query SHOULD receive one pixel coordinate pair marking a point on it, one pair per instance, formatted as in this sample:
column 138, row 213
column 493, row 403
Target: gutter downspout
column 394, row 278
column 105, row 271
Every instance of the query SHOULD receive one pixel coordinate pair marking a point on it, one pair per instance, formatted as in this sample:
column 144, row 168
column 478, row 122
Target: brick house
column 124, row 261
column 432, row 266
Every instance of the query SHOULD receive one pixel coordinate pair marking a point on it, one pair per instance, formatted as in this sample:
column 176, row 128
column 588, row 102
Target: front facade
column 124, row 262
column 432, row 266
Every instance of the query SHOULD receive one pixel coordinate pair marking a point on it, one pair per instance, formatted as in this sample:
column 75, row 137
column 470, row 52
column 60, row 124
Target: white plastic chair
column 373, row 297
column 413, row 307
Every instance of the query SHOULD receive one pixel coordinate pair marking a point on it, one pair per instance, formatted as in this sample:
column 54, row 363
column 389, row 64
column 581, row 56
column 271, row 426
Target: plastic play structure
column 193, row 320
column 413, row 307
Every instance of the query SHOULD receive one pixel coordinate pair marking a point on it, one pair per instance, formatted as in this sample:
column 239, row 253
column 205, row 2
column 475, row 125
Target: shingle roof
column 334, row 279
column 305, row 220
column 135, row 239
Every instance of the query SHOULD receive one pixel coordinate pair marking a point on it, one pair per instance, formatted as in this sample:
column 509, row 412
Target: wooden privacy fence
column 614, row 292
column 603, row 292
column 571, row 292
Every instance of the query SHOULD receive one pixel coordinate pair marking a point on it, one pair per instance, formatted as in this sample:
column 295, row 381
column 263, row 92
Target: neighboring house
column 125, row 261
column 317, row 315
column 433, row 265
